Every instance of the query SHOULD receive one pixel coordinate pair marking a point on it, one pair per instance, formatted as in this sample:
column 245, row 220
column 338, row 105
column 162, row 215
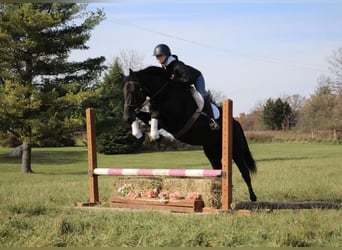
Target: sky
column 247, row 50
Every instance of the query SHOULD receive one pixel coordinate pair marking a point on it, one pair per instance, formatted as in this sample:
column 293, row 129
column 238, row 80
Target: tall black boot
column 208, row 109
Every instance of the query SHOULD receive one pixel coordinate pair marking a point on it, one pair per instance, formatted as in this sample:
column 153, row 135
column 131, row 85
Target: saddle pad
column 216, row 111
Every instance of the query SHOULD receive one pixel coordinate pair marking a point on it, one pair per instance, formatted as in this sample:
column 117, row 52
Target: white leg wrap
column 136, row 130
column 154, row 129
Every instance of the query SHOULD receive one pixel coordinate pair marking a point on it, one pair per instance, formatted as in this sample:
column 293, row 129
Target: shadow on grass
column 53, row 157
column 64, row 172
column 47, row 157
column 282, row 159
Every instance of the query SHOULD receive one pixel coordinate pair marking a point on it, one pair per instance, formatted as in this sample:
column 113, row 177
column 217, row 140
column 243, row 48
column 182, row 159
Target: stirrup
column 213, row 124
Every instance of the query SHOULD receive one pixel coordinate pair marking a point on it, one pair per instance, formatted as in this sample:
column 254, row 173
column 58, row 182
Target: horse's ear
column 130, row 71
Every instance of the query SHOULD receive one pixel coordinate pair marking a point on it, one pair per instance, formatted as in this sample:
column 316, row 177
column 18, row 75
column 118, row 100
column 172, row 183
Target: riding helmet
column 162, row 49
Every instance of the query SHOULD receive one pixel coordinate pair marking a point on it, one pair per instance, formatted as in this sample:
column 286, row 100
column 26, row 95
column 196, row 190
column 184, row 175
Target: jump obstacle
column 177, row 205
column 183, row 205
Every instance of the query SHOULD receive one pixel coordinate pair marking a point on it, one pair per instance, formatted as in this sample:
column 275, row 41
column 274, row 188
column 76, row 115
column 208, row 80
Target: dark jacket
column 180, row 72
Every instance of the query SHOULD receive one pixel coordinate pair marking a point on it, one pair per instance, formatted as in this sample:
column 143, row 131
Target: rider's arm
column 181, row 73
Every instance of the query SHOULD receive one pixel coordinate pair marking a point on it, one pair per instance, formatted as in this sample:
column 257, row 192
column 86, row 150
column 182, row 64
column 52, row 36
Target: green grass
column 38, row 209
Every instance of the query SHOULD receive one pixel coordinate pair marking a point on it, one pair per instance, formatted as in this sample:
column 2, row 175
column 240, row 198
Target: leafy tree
column 130, row 59
column 337, row 111
column 318, row 109
column 113, row 134
column 278, row 115
column 335, row 67
column 42, row 92
column 323, row 109
column 296, row 103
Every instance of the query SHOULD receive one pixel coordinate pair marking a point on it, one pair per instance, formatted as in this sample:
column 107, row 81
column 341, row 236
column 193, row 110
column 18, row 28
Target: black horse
column 173, row 105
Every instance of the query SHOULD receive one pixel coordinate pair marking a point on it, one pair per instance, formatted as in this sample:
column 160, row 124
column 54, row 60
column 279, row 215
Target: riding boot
column 208, row 109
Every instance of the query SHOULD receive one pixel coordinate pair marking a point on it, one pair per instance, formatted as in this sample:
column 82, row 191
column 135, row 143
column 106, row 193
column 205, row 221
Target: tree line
column 321, row 111
column 43, row 94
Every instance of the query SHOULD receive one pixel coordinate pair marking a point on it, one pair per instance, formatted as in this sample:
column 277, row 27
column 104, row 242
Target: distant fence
column 269, row 136
column 332, row 134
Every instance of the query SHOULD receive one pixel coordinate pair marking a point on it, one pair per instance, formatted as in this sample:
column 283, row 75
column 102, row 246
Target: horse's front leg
column 154, row 131
column 136, row 129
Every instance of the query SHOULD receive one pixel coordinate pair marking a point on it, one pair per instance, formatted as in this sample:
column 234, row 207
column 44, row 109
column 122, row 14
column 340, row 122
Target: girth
column 190, row 122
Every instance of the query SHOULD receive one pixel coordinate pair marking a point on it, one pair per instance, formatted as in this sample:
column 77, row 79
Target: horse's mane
column 161, row 73
column 154, row 70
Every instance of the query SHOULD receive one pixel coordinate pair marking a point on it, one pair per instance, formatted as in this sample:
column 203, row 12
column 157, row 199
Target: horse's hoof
column 253, row 198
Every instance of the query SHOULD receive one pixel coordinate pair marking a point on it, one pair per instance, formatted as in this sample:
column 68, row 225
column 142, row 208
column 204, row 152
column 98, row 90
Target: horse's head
column 133, row 96
column 150, row 81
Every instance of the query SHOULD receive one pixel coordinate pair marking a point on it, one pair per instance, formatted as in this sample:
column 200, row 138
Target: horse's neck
column 174, row 103
column 153, row 86
column 175, row 107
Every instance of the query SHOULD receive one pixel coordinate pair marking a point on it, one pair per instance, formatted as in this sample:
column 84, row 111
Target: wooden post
column 227, row 147
column 92, row 157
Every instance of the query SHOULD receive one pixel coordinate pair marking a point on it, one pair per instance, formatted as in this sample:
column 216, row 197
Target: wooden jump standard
column 178, row 205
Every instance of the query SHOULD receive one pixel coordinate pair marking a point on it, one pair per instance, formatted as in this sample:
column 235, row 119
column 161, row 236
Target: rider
column 180, row 72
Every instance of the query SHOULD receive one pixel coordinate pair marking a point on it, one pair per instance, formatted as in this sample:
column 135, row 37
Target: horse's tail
column 245, row 149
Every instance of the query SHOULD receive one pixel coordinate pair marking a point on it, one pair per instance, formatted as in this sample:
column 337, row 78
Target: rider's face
column 161, row 58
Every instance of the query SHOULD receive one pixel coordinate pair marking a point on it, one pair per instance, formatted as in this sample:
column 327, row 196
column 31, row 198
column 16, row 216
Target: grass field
column 38, row 209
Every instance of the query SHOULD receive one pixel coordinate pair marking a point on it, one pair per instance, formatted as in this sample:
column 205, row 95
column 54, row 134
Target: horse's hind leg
column 241, row 153
column 241, row 164
column 214, row 154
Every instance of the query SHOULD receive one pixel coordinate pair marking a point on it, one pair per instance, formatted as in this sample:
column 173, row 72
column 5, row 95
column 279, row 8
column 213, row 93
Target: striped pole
column 158, row 172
